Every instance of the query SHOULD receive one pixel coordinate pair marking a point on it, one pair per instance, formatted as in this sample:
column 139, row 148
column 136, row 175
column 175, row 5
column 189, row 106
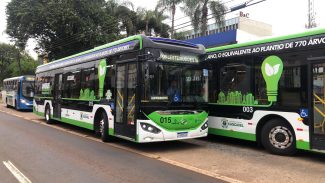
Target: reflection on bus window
column 174, row 83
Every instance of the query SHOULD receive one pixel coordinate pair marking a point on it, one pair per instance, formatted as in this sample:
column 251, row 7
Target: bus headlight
column 204, row 126
column 23, row 101
column 149, row 128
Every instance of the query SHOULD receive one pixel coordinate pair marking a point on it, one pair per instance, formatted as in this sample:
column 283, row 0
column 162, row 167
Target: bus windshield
column 175, row 83
column 28, row 89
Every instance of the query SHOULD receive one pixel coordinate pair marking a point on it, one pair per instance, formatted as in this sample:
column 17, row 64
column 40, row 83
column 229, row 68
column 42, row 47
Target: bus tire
column 47, row 115
column 278, row 137
column 7, row 105
column 16, row 107
column 103, row 128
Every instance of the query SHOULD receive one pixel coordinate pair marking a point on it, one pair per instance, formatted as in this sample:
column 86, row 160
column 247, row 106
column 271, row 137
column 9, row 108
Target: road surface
column 45, row 154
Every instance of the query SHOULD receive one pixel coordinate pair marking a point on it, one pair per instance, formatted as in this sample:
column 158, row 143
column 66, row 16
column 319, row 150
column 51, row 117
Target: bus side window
column 88, row 80
column 235, row 82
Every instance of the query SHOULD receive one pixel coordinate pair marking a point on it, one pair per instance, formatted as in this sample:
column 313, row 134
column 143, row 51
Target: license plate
column 182, row 134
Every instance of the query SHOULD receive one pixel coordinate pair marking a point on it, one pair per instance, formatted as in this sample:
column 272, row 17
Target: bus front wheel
column 7, row 105
column 16, row 106
column 278, row 137
column 103, row 128
column 47, row 115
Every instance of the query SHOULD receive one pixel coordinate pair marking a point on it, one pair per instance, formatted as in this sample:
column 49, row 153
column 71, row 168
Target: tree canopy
column 198, row 11
column 65, row 27
column 10, row 58
column 55, row 24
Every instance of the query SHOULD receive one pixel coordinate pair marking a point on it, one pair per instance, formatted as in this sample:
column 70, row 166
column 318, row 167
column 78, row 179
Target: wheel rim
column 47, row 115
column 281, row 137
column 101, row 126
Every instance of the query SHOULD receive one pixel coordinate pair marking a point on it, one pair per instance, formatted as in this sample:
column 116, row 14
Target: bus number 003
column 248, row 109
column 165, row 120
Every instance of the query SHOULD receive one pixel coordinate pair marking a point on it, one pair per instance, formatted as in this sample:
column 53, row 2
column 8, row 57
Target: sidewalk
column 235, row 159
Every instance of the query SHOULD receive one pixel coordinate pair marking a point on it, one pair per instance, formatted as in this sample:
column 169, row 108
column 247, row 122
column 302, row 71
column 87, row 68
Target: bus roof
column 269, row 40
column 19, row 78
column 110, row 49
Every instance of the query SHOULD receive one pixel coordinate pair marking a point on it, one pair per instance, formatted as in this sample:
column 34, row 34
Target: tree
column 198, row 11
column 170, row 5
column 61, row 28
column 161, row 29
column 9, row 55
column 180, row 35
column 126, row 16
column 146, row 18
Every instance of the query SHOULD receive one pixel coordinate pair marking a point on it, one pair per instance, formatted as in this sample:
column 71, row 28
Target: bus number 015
column 248, row 109
column 165, row 120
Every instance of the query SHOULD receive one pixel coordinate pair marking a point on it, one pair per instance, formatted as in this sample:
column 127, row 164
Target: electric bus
column 142, row 89
column 18, row 92
column 270, row 91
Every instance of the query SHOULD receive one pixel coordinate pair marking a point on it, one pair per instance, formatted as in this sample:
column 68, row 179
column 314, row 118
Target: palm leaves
column 170, row 5
column 198, row 11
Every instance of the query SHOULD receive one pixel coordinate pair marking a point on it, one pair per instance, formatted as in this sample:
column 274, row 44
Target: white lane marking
column 19, row 176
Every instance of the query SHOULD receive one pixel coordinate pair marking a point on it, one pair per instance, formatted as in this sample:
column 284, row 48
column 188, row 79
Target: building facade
column 235, row 30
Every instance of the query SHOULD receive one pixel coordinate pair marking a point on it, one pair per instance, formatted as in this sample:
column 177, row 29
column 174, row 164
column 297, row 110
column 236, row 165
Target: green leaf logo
column 102, row 70
column 101, row 76
column 270, row 71
column 272, row 68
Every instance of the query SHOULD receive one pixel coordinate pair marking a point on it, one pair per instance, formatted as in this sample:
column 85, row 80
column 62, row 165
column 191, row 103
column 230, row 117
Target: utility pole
column 311, row 15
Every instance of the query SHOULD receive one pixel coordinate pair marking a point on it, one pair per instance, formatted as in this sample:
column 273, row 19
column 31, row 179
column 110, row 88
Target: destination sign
column 269, row 47
column 90, row 56
column 179, row 57
column 30, row 78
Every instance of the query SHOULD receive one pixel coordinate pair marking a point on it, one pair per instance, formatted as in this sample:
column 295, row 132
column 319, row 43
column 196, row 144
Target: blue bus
column 18, row 92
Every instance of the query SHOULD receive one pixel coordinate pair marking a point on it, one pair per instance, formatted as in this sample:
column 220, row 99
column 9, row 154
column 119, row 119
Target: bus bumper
column 28, row 105
column 144, row 136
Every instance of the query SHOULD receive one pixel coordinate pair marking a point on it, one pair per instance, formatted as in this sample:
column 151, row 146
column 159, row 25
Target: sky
column 285, row 16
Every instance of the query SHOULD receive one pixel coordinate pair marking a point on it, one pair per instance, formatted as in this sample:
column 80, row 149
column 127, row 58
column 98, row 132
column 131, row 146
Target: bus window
column 235, row 83
column 235, row 77
column 27, row 89
column 88, row 81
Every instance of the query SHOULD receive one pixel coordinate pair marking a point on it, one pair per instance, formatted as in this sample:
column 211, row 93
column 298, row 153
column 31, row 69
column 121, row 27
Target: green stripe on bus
column 302, row 145
column 77, row 99
column 108, row 45
column 76, row 123
column 269, row 40
column 111, row 131
column 233, row 134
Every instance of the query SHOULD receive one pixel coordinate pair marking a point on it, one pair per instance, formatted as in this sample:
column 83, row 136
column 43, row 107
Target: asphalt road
column 46, row 154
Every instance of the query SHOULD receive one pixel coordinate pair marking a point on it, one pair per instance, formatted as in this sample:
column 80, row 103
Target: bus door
column 57, row 98
column 317, row 104
column 125, row 120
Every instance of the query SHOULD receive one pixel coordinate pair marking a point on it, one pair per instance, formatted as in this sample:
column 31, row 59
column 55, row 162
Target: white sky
column 285, row 16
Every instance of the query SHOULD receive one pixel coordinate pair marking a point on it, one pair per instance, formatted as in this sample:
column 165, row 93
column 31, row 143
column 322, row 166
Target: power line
column 187, row 16
column 190, row 21
column 68, row 40
column 212, row 14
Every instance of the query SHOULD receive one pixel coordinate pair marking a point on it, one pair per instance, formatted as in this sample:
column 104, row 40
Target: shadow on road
column 212, row 141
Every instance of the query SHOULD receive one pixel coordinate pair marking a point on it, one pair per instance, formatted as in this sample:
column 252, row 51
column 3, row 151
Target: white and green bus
column 270, row 91
column 140, row 88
